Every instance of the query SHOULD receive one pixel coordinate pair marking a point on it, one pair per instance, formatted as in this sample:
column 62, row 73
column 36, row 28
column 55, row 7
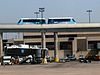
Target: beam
column 95, row 27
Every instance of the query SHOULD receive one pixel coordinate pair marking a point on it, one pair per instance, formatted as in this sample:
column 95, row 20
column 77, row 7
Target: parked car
column 82, row 59
column 62, row 59
column 49, row 59
column 70, row 58
column 94, row 58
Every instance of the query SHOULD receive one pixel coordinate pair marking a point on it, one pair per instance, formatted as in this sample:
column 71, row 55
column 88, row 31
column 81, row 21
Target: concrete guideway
column 51, row 28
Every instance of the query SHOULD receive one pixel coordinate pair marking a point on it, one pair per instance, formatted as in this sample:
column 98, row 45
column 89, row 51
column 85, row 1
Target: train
column 56, row 20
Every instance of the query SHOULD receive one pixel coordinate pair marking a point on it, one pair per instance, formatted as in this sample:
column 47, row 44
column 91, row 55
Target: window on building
column 92, row 45
column 65, row 45
column 50, row 45
column 98, row 45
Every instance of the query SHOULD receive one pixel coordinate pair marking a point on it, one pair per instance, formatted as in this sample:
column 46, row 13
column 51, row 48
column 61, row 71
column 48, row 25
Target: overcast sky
column 12, row 10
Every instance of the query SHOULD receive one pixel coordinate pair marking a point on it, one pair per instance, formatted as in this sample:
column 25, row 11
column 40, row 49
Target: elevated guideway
column 86, row 27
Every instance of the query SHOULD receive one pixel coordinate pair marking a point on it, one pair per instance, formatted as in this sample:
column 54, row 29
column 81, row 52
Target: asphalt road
column 68, row 68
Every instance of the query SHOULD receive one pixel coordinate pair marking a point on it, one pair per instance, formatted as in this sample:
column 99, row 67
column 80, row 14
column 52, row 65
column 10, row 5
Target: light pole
column 44, row 60
column 89, row 11
column 41, row 10
column 36, row 14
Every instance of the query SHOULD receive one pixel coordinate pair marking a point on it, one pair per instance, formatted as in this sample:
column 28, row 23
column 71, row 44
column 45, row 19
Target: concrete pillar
column 44, row 60
column 74, row 46
column 56, row 47
column 43, row 40
column 1, row 45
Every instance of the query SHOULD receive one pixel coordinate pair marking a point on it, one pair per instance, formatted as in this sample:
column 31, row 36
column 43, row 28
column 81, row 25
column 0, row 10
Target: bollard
column 44, row 61
column 56, row 59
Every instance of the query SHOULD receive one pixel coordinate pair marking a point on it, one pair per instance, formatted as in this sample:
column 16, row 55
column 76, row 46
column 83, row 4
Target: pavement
column 68, row 68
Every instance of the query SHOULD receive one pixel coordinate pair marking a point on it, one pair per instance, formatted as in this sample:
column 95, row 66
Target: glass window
column 19, row 21
column 35, row 21
column 65, row 45
column 50, row 45
column 56, row 21
column 92, row 45
column 98, row 45
column 73, row 20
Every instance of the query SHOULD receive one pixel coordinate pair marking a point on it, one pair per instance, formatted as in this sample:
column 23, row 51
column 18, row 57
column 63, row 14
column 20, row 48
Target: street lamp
column 43, row 41
column 89, row 11
column 36, row 14
column 41, row 10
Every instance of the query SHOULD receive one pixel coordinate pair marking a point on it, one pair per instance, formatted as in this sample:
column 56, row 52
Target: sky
column 12, row 10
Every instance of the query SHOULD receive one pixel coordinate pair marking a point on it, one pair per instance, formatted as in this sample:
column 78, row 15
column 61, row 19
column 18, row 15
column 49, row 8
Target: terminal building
column 79, row 43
